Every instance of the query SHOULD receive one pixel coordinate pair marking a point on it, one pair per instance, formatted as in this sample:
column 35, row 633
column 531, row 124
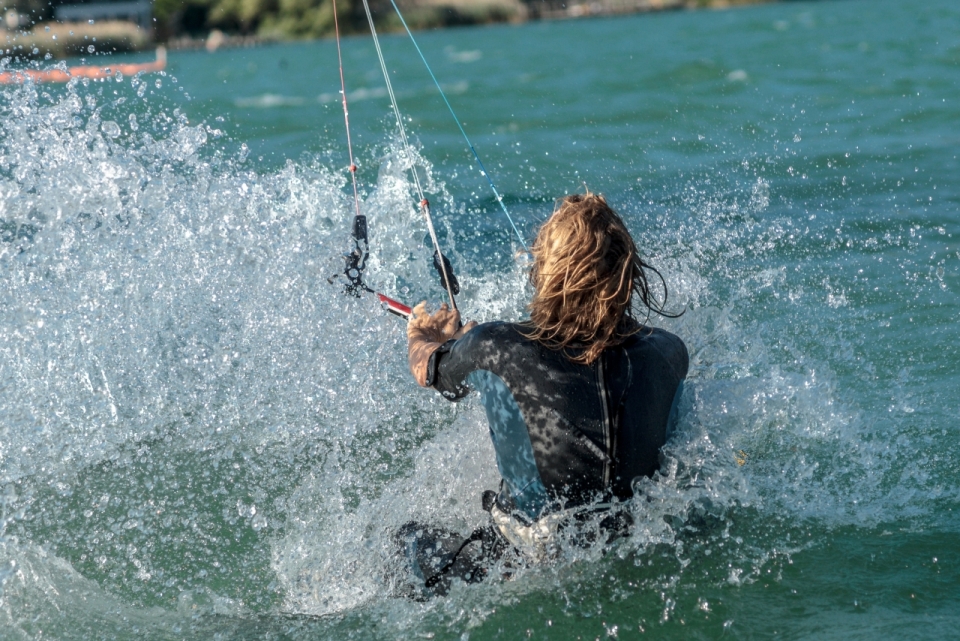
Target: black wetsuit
column 566, row 434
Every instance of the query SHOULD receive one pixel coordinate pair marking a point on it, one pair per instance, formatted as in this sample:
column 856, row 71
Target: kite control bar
column 395, row 307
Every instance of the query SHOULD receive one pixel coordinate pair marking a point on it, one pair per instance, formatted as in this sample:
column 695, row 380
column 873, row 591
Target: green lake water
column 202, row 439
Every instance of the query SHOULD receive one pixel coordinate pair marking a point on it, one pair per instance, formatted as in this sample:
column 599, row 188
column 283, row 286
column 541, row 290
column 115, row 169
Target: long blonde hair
column 586, row 269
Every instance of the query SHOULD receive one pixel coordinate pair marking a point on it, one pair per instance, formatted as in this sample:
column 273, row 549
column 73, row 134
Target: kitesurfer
column 579, row 397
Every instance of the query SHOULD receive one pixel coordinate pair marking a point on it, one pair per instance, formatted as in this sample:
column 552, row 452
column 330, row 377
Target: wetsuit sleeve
column 451, row 363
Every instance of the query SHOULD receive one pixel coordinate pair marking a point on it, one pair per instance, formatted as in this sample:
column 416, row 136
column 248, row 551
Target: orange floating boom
column 86, row 71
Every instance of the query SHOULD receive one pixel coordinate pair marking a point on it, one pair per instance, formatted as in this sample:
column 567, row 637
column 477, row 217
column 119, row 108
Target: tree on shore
column 276, row 19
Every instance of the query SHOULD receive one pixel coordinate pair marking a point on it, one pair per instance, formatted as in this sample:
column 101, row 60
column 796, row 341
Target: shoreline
column 61, row 40
column 450, row 14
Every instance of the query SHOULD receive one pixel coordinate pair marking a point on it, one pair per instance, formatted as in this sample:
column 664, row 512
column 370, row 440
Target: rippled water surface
column 200, row 438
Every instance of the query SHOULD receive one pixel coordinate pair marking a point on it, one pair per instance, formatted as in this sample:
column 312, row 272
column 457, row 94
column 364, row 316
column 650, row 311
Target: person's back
column 566, row 433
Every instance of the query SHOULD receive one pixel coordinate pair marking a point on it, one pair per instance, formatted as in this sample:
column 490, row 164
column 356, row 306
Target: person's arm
column 426, row 333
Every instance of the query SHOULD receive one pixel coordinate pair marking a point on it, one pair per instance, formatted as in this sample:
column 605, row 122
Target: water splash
column 199, row 431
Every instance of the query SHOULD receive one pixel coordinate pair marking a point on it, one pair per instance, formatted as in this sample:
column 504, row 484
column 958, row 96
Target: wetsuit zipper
column 607, row 427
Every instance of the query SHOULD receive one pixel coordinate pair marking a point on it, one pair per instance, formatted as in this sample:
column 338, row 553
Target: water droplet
column 110, row 129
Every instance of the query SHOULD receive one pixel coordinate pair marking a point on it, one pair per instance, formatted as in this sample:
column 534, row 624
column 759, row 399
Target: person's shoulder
column 667, row 344
column 497, row 331
column 660, row 335
column 494, row 337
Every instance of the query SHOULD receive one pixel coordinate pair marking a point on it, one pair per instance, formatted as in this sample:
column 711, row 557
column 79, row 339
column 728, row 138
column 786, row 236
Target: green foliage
column 164, row 10
column 273, row 19
column 298, row 19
